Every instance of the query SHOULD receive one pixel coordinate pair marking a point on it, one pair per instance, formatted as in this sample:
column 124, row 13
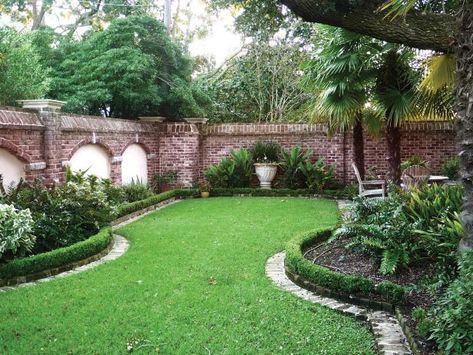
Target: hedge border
column 33, row 267
column 331, row 283
column 63, row 259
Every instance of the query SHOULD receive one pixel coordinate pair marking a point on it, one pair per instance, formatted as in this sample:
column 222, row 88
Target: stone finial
column 42, row 104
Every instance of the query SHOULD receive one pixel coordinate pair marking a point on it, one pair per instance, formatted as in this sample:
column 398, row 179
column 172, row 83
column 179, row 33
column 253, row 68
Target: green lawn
column 192, row 282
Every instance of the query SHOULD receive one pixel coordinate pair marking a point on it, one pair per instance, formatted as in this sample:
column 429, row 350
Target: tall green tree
column 21, row 74
column 261, row 85
column 130, row 69
column 342, row 73
column 426, row 27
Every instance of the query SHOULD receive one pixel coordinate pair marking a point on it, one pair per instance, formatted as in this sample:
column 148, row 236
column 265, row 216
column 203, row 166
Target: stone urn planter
column 266, row 173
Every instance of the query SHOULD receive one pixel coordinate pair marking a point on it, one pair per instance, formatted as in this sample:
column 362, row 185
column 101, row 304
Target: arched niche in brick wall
column 12, row 169
column 134, row 164
column 92, row 158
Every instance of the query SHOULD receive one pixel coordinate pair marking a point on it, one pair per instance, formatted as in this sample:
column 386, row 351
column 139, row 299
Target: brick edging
column 388, row 332
column 117, row 247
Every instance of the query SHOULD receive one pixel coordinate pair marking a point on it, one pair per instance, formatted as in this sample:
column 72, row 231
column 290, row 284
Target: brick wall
column 45, row 141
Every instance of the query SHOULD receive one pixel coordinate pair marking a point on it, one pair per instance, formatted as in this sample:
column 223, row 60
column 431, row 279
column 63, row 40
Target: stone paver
column 388, row 333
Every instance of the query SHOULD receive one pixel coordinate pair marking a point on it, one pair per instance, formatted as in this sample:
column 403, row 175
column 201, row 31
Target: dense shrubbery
column 58, row 257
column 407, row 227
column 233, row 171
column 265, row 152
column 451, row 317
column 16, row 237
column 297, row 170
column 64, row 214
column 451, row 168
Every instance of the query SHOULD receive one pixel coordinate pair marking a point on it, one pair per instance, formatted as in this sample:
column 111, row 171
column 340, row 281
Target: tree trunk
column 393, row 137
column 464, row 108
column 358, row 145
column 417, row 29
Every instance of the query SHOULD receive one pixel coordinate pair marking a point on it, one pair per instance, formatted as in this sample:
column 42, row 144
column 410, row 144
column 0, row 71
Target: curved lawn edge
column 388, row 332
column 53, row 262
column 332, row 283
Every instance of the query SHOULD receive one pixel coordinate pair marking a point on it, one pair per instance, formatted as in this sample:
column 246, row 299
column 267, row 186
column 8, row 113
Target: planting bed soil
column 336, row 257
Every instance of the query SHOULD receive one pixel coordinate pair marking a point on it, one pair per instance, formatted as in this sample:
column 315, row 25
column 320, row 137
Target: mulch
column 336, row 257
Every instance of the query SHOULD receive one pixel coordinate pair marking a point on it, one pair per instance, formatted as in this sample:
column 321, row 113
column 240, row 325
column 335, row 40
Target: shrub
column 135, row 191
column 234, row 171
column 414, row 160
column 265, row 152
column 16, row 238
column 317, row 175
column 407, row 227
column 58, row 257
column 451, row 168
column 291, row 162
column 335, row 281
column 452, row 313
column 158, row 181
column 64, row 214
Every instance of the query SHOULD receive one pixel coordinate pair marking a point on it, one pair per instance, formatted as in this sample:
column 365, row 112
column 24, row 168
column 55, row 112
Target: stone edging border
column 116, row 248
column 388, row 332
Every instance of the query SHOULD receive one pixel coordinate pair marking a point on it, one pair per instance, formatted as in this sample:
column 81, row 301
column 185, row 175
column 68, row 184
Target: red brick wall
column 45, row 141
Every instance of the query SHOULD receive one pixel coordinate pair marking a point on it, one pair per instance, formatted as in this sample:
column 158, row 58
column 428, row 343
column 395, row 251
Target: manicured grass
column 192, row 282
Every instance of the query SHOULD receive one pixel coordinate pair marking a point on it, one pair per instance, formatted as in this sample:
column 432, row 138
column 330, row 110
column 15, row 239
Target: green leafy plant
column 318, row 175
column 407, row 227
column 451, row 168
column 16, row 232
column 64, row 214
column 414, row 160
column 265, row 152
column 423, row 323
column 159, row 181
column 291, row 162
column 452, row 313
column 135, row 191
column 233, row 171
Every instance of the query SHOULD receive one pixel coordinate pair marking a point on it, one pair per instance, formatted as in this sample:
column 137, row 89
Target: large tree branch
column 417, row 29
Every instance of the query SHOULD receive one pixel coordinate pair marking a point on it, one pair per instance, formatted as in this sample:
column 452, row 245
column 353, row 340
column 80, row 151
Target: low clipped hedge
column 131, row 207
column 277, row 192
column 58, row 257
column 335, row 281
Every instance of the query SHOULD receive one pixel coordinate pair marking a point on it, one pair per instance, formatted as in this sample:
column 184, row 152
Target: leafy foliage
column 64, row 214
column 414, row 160
column 261, row 85
column 265, row 152
column 233, row 171
column 22, row 75
column 292, row 176
column 407, row 227
column 317, row 175
column 135, row 191
column 131, row 68
column 451, row 168
column 452, row 313
column 16, row 232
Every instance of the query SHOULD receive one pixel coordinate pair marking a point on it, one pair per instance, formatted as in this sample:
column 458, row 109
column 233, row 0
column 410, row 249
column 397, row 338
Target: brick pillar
column 198, row 155
column 49, row 113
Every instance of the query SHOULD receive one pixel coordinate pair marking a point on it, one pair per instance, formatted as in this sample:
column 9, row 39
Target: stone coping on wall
column 71, row 122
column 11, row 117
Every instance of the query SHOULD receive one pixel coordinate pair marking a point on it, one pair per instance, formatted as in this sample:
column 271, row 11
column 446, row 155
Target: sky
column 220, row 42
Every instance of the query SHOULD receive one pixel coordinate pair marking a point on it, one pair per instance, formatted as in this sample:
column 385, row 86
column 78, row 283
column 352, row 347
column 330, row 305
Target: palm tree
column 342, row 73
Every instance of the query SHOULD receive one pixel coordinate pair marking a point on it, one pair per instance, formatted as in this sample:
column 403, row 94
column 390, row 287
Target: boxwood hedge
column 335, row 281
column 58, row 257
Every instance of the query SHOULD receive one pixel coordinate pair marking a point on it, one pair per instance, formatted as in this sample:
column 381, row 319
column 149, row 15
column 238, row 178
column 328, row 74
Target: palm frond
column 396, row 8
column 440, row 73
